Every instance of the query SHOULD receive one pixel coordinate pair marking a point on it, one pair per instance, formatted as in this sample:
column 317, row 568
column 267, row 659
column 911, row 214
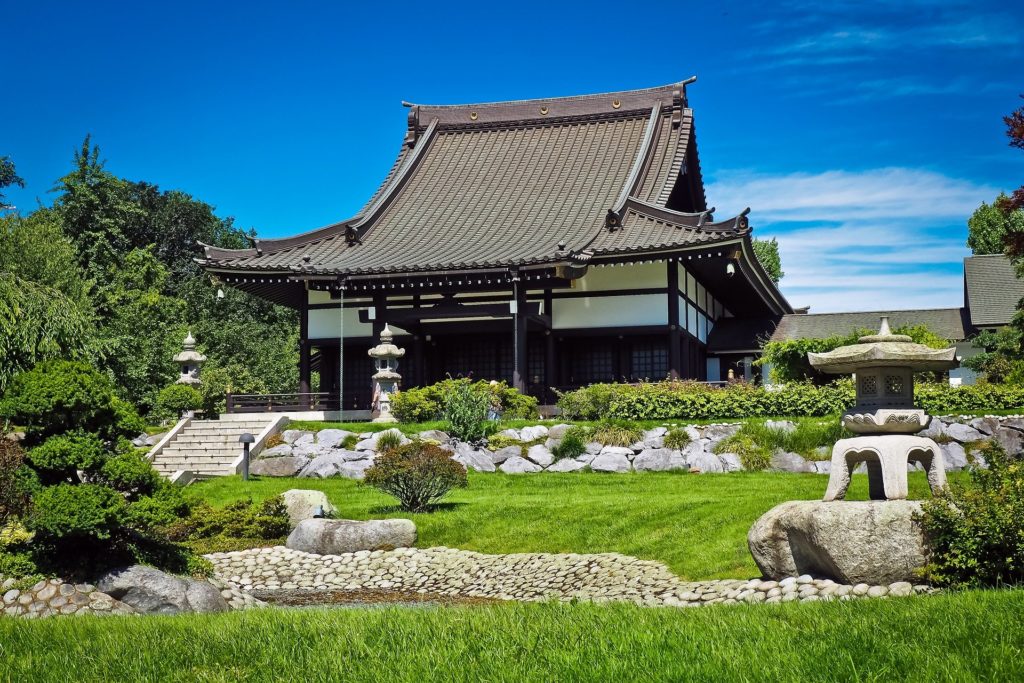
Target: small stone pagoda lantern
column 883, row 366
column 385, row 381
column 190, row 360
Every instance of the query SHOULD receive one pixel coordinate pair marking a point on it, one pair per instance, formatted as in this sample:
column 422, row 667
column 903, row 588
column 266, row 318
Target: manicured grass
column 696, row 524
column 956, row 637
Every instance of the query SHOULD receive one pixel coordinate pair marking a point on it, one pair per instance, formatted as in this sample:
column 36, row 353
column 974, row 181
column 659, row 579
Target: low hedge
column 682, row 400
column 424, row 404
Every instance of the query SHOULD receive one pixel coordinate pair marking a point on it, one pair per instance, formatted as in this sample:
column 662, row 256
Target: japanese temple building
column 550, row 243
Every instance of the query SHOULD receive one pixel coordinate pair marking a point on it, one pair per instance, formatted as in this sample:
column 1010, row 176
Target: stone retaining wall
column 321, row 454
column 521, row 577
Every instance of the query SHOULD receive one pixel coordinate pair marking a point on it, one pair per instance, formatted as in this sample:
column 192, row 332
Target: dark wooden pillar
column 380, row 310
column 304, row 350
column 675, row 364
column 519, row 366
column 550, row 361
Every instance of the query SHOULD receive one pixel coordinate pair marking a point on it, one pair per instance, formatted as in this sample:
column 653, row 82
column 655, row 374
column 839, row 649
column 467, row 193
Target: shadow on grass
column 436, row 507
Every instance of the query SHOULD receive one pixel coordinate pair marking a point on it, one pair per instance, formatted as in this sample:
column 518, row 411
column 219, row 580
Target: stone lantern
column 385, row 381
column 883, row 366
column 190, row 360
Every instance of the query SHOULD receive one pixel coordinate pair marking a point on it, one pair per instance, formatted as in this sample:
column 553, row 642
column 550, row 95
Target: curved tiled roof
column 993, row 289
column 507, row 184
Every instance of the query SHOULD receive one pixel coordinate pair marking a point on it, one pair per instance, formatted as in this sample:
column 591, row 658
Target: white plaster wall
column 317, row 296
column 631, row 276
column 325, row 323
column 958, row 376
column 612, row 311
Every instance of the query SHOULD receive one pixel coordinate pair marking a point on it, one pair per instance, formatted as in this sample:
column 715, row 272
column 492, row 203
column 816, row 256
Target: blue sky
column 862, row 134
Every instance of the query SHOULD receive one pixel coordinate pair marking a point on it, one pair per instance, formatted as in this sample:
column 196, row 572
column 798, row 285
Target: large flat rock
column 334, row 536
column 875, row 542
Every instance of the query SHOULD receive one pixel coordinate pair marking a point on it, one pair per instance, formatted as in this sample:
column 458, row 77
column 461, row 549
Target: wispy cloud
column 861, row 240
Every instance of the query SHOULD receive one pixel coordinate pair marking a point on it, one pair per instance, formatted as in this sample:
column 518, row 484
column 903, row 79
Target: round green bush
column 417, row 474
column 130, row 473
column 76, row 511
column 176, row 399
column 60, row 456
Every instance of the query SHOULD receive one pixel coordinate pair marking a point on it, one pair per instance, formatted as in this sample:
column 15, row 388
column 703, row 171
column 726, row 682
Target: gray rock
column 473, row 459
column 876, row 542
column 337, row 536
column 510, row 433
column 692, row 432
column 586, row 458
column 297, row 436
column 350, row 455
column 305, row 503
column 731, row 462
column 552, row 444
column 784, row 461
column 822, row 466
column 611, row 461
column 1013, row 423
column 434, row 435
column 985, row 425
column 312, row 450
column 502, row 454
column 655, row 433
column 558, row 431
column 323, row 466
column 780, row 426
column 962, row 433
column 534, row 432
column 332, row 438
column 659, row 460
column 354, row 469
column 954, row 456
column 366, row 445
column 707, row 463
column 618, row 450
column 1011, row 440
column 567, row 465
column 715, row 433
column 934, row 429
column 288, row 466
column 540, row 455
column 519, row 465
column 276, row 451
column 151, row 591
column 593, row 448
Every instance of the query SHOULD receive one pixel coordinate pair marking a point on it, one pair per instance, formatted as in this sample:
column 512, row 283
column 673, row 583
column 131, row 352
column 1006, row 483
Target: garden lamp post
column 245, row 439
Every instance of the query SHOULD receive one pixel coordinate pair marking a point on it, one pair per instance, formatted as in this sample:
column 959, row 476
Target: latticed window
column 893, row 385
column 868, row 385
column 594, row 363
column 649, row 360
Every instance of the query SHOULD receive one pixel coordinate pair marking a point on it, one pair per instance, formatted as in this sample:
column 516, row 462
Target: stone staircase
column 209, row 448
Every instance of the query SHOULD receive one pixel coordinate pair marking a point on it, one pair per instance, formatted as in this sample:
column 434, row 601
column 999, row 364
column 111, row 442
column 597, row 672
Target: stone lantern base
column 886, row 457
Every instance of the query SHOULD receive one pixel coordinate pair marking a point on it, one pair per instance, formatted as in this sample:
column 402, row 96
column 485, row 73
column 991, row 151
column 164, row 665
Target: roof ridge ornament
column 612, row 220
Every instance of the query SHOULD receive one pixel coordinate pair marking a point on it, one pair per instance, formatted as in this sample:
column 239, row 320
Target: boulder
column 332, row 438
column 731, row 462
column 552, row 444
column 692, row 432
column 874, row 542
column 354, row 469
column 151, row 591
column 519, row 465
column 933, row 430
column 287, row 466
column 962, row 433
column 953, row 456
column 784, row 461
column 780, row 426
column 705, row 462
column 295, row 436
column 434, row 435
column 473, row 459
column 305, row 503
column 567, row 465
column 366, row 445
column 312, row 450
column 558, row 431
column 510, row 433
column 540, row 455
column 276, row 451
column 337, row 536
column 659, row 460
column 822, row 466
column 593, row 448
column 533, row 433
column 715, row 433
column 611, row 462
column 618, row 450
column 985, row 425
column 1013, row 423
column 655, row 433
column 502, row 454
column 1011, row 440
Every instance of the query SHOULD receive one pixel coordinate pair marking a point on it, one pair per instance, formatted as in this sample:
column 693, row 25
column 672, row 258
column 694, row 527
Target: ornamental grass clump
column 618, row 433
column 975, row 530
column 676, row 439
column 388, row 440
column 417, row 474
column 573, row 443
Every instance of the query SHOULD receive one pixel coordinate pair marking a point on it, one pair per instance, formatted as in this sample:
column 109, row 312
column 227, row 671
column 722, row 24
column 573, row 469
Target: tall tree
column 767, row 252
column 990, row 225
column 1015, row 132
column 8, row 177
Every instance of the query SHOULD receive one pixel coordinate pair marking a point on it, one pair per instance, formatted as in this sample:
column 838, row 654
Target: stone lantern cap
column 386, row 349
column 188, row 353
column 884, row 349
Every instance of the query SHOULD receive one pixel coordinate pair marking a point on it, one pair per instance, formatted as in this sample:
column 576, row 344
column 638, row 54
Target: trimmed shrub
column 59, row 457
column 76, row 513
column 423, row 404
column 177, row 399
column 130, row 473
column 465, row 412
column 675, row 400
column 676, row 439
column 975, row 531
column 15, row 489
column 417, row 474
column 573, row 443
column 58, row 395
column 207, row 526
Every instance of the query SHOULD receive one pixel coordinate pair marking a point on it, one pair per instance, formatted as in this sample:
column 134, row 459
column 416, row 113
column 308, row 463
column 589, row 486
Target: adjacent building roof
column 950, row 323
column 512, row 184
column 992, row 290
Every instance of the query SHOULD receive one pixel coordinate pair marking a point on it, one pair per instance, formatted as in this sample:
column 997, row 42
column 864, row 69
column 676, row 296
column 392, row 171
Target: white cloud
column 861, row 240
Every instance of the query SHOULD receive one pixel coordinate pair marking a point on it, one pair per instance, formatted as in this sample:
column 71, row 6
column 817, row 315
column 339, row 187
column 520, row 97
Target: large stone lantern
column 385, row 381
column 883, row 366
column 191, row 362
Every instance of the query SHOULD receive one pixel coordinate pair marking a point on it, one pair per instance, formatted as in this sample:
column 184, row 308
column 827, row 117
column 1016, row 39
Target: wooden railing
column 269, row 403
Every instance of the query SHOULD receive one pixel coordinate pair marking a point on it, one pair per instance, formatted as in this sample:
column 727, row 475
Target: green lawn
column 956, row 637
column 696, row 524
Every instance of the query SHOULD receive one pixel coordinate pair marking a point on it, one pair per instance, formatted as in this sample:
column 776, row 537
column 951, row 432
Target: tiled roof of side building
column 950, row 323
column 993, row 289
column 516, row 183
